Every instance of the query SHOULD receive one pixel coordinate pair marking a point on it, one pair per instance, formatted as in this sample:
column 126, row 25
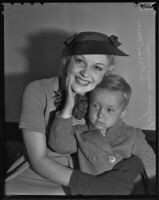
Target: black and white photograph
column 79, row 100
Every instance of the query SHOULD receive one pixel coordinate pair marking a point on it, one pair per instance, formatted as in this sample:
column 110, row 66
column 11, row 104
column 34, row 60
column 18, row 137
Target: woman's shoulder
column 43, row 85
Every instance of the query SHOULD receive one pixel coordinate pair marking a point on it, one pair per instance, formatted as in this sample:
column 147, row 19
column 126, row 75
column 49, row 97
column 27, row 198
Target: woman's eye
column 98, row 68
column 78, row 60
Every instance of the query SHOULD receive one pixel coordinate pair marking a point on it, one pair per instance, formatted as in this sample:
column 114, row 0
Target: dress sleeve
column 144, row 151
column 62, row 138
column 33, row 106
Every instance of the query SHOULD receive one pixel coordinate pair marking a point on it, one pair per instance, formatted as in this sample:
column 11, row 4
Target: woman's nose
column 85, row 72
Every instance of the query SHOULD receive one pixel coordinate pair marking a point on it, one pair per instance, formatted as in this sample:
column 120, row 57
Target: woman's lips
column 82, row 82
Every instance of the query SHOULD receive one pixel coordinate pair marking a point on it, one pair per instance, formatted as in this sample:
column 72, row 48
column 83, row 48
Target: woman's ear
column 110, row 70
column 64, row 62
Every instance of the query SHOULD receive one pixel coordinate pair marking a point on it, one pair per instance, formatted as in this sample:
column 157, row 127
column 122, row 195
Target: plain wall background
column 34, row 36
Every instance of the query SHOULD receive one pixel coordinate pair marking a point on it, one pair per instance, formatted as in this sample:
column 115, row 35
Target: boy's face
column 105, row 108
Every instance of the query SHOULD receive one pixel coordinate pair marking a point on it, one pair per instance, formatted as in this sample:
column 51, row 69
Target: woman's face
column 87, row 71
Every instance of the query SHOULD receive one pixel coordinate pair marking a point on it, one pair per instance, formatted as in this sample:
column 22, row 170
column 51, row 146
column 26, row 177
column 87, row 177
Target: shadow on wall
column 42, row 55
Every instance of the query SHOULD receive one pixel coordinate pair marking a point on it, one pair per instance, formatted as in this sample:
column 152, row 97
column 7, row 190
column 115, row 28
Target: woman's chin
column 81, row 90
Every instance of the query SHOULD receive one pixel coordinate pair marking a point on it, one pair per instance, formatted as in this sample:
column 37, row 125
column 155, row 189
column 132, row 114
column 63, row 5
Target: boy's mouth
column 100, row 123
column 101, row 128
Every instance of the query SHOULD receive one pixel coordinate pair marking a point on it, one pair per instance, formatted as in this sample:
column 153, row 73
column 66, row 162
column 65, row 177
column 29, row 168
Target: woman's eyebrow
column 82, row 57
column 95, row 63
column 100, row 64
column 79, row 56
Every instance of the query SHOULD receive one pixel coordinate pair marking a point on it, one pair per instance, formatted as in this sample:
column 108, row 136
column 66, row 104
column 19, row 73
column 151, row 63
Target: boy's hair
column 114, row 82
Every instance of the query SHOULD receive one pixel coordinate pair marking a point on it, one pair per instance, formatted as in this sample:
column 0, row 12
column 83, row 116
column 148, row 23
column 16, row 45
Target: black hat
column 92, row 43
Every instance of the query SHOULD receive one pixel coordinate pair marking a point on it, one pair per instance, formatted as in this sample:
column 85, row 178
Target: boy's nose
column 100, row 112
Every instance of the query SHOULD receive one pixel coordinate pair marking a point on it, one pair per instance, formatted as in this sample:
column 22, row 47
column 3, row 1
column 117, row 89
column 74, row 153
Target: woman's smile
column 82, row 82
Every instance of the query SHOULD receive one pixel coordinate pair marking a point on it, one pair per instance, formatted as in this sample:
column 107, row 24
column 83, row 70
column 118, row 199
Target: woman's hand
column 70, row 98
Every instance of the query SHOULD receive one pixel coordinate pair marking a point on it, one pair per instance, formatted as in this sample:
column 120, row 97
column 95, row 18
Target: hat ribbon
column 70, row 39
column 114, row 40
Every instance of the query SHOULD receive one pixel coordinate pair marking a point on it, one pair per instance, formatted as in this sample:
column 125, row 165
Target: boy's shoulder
column 81, row 128
column 129, row 129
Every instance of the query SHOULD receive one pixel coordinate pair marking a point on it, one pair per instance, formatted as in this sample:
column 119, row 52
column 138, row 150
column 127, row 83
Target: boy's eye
column 109, row 110
column 98, row 68
column 95, row 105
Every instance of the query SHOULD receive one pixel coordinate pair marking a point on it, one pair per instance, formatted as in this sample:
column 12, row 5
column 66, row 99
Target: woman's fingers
column 70, row 78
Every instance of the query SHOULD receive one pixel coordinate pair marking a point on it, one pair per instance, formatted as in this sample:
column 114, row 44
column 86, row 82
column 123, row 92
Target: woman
column 87, row 57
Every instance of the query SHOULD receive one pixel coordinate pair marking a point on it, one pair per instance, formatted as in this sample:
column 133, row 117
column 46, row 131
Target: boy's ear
column 124, row 113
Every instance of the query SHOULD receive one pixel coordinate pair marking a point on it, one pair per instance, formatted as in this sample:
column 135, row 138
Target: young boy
column 105, row 139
